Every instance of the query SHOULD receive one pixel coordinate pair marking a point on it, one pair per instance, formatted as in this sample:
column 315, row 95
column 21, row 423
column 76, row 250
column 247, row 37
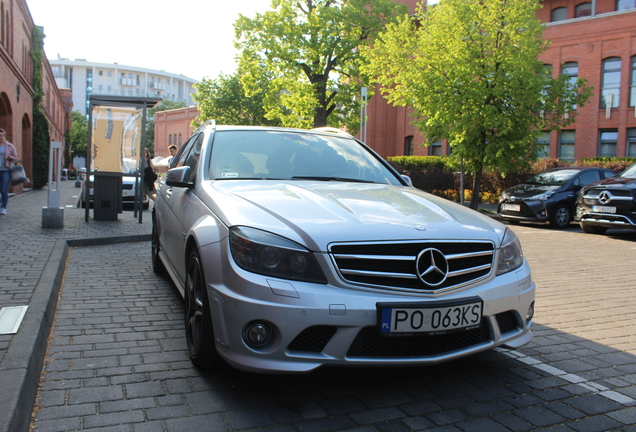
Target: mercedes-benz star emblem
column 604, row 197
column 431, row 267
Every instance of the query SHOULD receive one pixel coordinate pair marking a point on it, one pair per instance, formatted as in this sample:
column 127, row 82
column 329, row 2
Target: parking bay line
column 574, row 379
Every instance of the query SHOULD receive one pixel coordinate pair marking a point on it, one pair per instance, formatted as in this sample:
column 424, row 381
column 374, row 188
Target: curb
column 24, row 360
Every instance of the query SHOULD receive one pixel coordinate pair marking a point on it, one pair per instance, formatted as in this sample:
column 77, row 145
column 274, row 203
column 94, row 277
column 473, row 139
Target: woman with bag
column 149, row 176
column 8, row 155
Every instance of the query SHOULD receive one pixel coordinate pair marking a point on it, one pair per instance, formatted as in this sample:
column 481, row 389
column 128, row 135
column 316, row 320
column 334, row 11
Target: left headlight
column 540, row 197
column 510, row 253
column 272, row 255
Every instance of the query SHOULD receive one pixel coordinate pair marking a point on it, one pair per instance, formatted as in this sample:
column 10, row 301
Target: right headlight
column 271, row 255
column 510, row 253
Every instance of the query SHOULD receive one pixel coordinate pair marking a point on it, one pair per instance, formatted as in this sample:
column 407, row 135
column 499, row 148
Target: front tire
column 592, row 229
column 561, row 217
column 157, row 264
column 198, row 320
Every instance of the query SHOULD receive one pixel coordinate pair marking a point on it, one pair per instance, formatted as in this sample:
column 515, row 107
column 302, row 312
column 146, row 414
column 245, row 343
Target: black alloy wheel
column 157, row 264
column 198, row 320
column 561, row 217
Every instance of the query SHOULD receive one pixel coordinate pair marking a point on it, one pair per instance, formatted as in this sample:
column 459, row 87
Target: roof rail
column 210, row 122
column 332, row 130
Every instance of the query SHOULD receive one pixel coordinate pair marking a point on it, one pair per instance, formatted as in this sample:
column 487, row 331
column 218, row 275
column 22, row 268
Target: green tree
column 470, row 70
column 308, row 52
column 224, row 100
column 164, row 105
column 41, row 138
column 78, row 139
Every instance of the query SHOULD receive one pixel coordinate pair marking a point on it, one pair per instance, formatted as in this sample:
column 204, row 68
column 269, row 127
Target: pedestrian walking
column 8, row 156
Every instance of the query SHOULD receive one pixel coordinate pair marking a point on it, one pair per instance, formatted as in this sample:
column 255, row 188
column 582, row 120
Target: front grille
column 369, row 343
column 393, row 266
column 507, row 321
column 312, row 339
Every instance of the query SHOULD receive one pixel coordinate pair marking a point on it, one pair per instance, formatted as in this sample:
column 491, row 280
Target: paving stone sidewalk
column 30, row 271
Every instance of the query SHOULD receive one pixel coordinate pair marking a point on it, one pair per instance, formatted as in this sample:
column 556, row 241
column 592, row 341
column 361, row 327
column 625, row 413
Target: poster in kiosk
column 115, row 143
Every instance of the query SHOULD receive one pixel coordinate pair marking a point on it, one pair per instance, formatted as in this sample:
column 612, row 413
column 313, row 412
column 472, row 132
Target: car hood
column 529, row 190
column 318, row 213
column 615, row 182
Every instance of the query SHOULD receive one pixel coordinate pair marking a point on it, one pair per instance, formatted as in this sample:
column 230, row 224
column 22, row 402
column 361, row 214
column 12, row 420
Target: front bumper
column 529, row 211
column 335, row 324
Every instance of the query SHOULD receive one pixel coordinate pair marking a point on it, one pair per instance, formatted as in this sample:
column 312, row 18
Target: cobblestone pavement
column 30, row 270
column 117, row 358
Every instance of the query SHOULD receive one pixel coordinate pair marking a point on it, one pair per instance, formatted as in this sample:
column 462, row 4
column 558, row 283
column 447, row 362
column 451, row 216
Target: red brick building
column 594, row 40
column 173, row 127
column 16, row 90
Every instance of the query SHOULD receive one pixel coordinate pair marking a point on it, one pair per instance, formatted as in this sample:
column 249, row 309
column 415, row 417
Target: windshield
column 630, row 172
column 281, row 155
column 553, row 178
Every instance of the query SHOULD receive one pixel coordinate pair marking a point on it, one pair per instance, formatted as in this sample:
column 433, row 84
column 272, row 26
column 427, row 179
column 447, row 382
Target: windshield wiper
column 341, row 179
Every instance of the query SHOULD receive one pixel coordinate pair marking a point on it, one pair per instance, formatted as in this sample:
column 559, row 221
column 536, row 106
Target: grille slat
column 393, row 266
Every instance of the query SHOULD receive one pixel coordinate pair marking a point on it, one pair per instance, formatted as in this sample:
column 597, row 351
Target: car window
column 589, row 177
column 183, row 153
column 630, row 172
column 290, row 155
column 192, row 155
column 553, row 178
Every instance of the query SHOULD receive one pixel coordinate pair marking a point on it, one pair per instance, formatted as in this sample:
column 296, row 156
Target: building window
column 632, row 83
column 559, row 14
column 625, row 4
column 436, row 148
column 583, row 10
column 408, row 146
column 566, row 146
column 571, row 70
column 607, row 143
column 631, row 142
column 542, row 150
column 179, row 140
column 610, row 87
column 169, row 140
column 110, row 73
column 100, row 73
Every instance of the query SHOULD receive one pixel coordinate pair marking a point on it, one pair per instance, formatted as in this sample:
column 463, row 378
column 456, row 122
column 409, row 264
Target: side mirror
column 179, row 177
column 407, row 179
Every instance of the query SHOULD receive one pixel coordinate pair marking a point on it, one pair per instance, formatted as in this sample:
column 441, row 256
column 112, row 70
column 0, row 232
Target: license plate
column 512, row 207
column 429, row 320
column 603, row 209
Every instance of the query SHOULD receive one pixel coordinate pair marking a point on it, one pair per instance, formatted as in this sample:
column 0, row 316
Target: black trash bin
column 107, row 196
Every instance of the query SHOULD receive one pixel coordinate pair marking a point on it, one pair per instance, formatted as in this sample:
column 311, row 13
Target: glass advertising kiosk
column 116, row 137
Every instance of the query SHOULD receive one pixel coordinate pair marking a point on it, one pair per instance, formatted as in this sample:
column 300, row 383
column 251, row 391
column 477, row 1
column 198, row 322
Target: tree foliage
column 78, row 139
column 308, row 52
column 41, row 138
column 164, row 105
column 470, row 70
column 224, row 100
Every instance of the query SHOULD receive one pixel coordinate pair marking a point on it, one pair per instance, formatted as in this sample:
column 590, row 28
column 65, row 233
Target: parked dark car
column 549, row 196
column 609, row 203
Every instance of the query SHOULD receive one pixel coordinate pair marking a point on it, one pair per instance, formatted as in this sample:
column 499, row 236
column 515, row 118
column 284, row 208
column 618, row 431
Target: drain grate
column 11, row 318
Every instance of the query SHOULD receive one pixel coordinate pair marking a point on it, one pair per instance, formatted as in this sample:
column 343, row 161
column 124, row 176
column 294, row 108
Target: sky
column 189, row 37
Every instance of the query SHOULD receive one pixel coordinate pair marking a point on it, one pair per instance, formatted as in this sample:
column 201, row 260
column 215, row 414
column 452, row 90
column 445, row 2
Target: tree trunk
column 474, row 199
column 320, row 117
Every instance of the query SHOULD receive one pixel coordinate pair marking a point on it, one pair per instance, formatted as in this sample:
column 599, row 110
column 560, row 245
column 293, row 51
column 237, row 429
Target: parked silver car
column 295, row 249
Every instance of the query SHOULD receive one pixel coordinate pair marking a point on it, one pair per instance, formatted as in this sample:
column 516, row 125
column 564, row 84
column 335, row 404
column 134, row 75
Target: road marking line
column 574, row 379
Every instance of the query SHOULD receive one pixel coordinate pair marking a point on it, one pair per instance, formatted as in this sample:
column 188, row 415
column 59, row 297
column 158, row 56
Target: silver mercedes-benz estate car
column 295, row 249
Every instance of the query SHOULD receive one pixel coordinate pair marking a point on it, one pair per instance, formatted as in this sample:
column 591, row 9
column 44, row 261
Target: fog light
column 257, row 334
column 530, row 312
